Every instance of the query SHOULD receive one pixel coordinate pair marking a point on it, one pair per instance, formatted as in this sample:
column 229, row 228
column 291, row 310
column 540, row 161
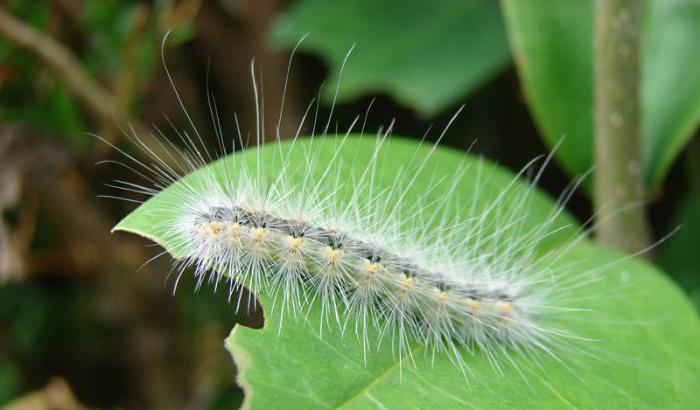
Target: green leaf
column 551, row 42
column 428, row 55
column 647, row 336
column 551, row 45
column 670, row 82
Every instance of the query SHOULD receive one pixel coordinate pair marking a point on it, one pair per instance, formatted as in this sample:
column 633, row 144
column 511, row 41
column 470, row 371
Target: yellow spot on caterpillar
column 215, row 228
column 334, row 255
column 441, row 297
column 505, row 307
column 258, row 234
column 373, row 268
column 234, row 229
column 407, row 282
column 295, row 243
column 474, row 306
column 235, row 233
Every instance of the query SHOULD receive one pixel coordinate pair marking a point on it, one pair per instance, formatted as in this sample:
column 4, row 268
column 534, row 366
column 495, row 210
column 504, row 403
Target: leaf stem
column 619, row 187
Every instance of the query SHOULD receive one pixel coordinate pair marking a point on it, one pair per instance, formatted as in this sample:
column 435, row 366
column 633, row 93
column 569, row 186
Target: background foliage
column 74, row 305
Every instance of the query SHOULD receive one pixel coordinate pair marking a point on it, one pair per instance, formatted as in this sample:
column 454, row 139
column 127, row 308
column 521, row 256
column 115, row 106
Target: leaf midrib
column 380, row 376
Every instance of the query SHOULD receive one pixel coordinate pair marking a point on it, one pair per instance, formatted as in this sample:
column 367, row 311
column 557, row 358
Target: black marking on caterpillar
column 336, row 240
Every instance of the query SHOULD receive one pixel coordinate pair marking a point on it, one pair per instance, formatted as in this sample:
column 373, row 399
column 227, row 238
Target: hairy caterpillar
column 294, row 220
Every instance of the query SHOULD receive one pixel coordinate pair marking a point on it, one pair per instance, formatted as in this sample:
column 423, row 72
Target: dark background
column 78, row 310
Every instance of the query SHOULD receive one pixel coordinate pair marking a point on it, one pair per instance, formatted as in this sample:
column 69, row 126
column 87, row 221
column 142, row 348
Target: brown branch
column 66, row 66
column 98, row 100
column 619, row 188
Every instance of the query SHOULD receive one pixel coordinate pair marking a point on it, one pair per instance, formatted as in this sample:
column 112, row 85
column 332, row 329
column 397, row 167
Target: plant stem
column 98, row 100
column 619, row 185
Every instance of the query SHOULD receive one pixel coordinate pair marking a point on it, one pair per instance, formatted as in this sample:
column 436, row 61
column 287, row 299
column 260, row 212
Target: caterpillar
column 401, row 252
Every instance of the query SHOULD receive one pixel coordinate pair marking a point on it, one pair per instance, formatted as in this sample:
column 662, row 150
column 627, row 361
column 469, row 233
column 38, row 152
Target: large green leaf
column 670, row 82
column 552, row 46
column 426, row 54
column 647, row 337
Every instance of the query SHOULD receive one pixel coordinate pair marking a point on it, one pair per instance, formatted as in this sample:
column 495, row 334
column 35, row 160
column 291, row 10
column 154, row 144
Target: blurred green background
column 82, row 322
